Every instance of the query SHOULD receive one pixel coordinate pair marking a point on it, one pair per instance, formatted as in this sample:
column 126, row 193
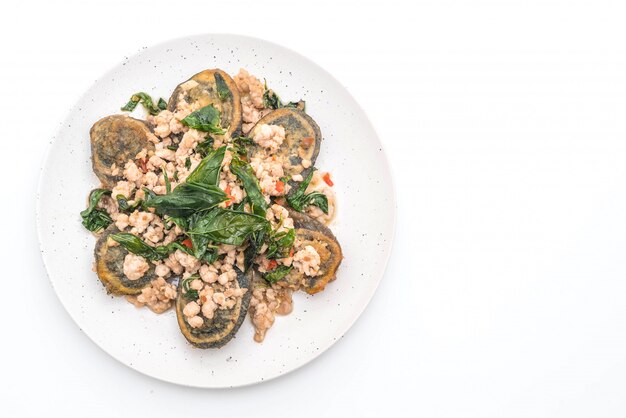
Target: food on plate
column 121, row 272
column 212, row 206
column 115, row 140
column 314, row 234
column 210, row 316
column 291, row 135
column 210, row 87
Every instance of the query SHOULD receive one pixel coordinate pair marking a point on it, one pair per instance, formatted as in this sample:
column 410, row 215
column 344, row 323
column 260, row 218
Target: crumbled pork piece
column 132, row 172
column 121, row 221
column 307, row 261
column 154, row 234
column 139, row 221
column 250, row 114
column 195, row 321
column 270, row 137
column 269, row 173
column 208, row 273
column 208, row 308
column 135, row 266
column 196, row 284
column 191, row 309
column 158, row 296
column 166, row 154
column 172, row 262
column 161, row 123
column 277, row 214
column 265, row 304
column 150, row 179
column 188, row 261
column 155, row 162
column 162, row 270
column 123, row 188
column 191, row 138
column 227, row 276
column 250, row 86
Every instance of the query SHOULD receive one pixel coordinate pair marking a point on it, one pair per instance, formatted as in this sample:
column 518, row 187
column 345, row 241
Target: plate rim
column 44, row 166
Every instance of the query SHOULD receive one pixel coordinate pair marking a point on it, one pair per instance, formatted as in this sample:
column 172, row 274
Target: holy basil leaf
column 239, row 207
column 222, row 88
column 168, row 184
column 279, row 245
column 191, row 294
column 256, row 242
column 316, row 199
column 183, row 223
column 278, row 273
column 244, row 172
column 203, row 148
column 208, row 171
column 135, row 245
column 271, row 100
column 199, row 245
column 206, row 119
column 301, row 105
column 95, row 219
column 124, row 206
column 241, row 143
column 186, row 199
column 228, row 226
column 299, row 200
column 147, row 103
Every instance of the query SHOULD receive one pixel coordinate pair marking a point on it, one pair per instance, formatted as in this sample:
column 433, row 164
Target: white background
column 505, row 123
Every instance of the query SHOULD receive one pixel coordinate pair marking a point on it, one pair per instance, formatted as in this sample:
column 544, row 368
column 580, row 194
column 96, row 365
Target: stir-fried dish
column 212, row 206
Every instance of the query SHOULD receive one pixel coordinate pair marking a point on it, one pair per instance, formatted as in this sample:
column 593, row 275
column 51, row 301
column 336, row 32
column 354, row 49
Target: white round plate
column 152, row 344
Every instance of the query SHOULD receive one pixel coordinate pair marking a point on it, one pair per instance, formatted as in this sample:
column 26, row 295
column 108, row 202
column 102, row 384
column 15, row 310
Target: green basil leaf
column 228, row 226
column 299, row 200
column 208, row 171
column 162, row 104
column 168, row 185
column 186, row 199
column 135, row 245
column 240, row 144
column 203, row 148
column 188, row 292
column 250, row 253
column 239, row 207
column 146, row 101
column 95, row 219
column 244, row 172
column 222, row 88
column 279, row 245
column 316, row 199
column 124, row 206
column 206, row 119
column 278, row 273
column 271, row 100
